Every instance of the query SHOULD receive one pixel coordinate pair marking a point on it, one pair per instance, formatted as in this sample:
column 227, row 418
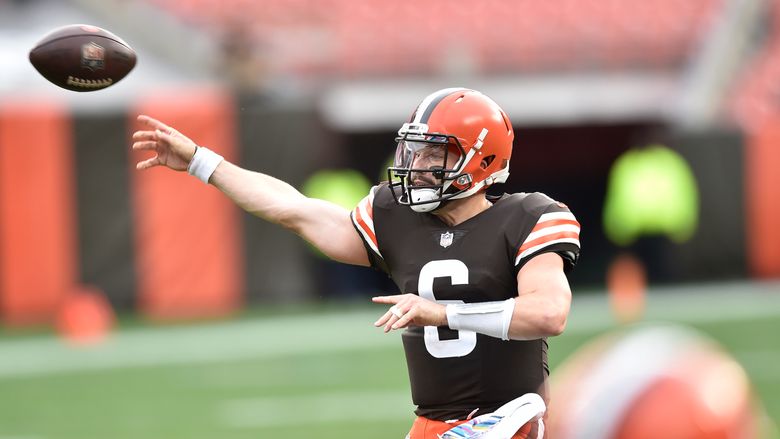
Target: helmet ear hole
column 487, row 161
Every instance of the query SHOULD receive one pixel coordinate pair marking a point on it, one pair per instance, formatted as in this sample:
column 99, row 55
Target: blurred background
column 146, row 305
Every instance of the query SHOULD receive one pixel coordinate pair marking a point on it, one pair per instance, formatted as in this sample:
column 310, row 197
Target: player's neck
column 458, row 211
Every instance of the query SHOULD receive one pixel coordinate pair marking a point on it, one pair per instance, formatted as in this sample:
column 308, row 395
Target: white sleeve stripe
column 552, row 230
column 556, row 216
column 366, row 236
column 536, row 248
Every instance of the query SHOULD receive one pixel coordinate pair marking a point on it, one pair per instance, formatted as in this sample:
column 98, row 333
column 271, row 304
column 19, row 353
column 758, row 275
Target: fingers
column 404, row 321
column 163, row 137
column 397, row 312
column 164, row 140
column 145, row 146
column 384, row 319
column 144, row 135
column 148, row 163
column 146, row 141
column 394, row 314
column 390, row 322
column 410, row 310
column 158, row 134
column 159, row 127
column 404, row 311
column 388, row 318
column 388, row 299
column 149, row 140
column 154, row 123
column 402, row 316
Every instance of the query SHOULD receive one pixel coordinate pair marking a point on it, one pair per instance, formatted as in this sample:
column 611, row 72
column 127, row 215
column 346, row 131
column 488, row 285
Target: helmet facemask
column 426, row 165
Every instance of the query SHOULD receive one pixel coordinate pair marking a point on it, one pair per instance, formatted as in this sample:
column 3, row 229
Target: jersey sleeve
column 556, row 230
column 363, row 219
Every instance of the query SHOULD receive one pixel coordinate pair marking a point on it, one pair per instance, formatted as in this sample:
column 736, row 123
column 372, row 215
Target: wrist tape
column 203, row 163
column 489, row 318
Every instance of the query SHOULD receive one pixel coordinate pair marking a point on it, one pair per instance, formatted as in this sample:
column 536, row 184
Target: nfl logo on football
column 92, row 56
column 446, row 239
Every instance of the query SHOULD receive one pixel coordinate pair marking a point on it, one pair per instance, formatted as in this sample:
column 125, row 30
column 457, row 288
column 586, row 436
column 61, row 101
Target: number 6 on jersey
column 459, row 275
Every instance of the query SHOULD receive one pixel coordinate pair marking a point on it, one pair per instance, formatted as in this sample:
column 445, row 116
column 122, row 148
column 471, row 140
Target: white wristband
column 203, row 163
column 489, row 318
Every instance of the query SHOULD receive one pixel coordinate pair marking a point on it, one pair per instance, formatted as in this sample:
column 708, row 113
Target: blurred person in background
column 483, row 276
column 243, row 57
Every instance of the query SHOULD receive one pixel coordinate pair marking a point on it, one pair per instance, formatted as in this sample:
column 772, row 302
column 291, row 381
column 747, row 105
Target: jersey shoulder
column 532, row 204
column 542, row 225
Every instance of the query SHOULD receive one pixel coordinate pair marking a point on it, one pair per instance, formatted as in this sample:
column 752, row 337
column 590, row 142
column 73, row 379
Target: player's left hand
column 410, row 310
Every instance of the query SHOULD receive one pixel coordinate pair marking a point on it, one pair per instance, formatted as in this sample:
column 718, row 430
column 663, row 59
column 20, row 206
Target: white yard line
column 270, row 337
column 353, row 330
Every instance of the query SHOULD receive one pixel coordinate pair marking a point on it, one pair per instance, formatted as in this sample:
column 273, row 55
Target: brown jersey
column 452, row 373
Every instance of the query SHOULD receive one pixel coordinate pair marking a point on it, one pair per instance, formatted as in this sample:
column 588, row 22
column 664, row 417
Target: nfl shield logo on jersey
column 446, row 239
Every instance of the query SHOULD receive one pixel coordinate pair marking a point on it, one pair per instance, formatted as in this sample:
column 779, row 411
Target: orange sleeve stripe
column 547, row 238
column 366, row 230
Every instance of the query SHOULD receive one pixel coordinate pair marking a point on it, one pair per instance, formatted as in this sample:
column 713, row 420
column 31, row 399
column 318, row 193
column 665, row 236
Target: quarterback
column 483, row 277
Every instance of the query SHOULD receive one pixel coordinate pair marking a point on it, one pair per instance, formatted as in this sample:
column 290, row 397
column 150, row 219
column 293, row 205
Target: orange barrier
column 188, row 254
column 38, row 247
column 763, row 202
column 85, row 317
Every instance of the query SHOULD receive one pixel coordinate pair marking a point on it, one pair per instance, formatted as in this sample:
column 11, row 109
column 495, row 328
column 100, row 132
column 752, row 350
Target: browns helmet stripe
column 424, row 110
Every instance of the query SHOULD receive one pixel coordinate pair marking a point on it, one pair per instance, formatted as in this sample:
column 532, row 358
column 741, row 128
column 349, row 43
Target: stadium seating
column 370, row 38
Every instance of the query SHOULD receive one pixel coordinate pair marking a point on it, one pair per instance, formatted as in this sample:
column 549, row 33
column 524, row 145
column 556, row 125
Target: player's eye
column 432, row 156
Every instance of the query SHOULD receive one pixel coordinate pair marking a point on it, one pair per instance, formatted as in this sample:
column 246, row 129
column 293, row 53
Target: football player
column 483, row 277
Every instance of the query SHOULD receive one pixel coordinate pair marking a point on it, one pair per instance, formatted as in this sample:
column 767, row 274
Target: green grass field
column 324, row 373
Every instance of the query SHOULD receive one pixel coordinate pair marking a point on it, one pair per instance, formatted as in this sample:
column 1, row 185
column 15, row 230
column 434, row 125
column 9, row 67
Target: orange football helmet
column 470, row 139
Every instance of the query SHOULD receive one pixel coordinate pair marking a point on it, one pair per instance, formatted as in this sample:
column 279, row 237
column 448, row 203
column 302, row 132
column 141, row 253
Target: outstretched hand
column 173, row 149
column 410, row 310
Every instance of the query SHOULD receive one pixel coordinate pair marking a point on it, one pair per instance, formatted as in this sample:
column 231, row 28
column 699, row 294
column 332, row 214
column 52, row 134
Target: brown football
column 81, row 57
